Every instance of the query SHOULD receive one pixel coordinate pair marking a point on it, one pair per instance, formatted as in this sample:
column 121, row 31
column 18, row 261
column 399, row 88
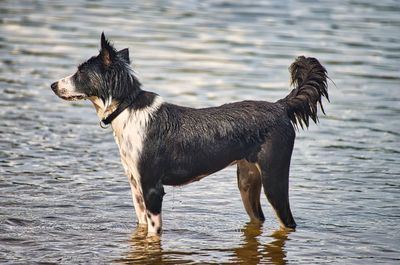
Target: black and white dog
column 165, row 144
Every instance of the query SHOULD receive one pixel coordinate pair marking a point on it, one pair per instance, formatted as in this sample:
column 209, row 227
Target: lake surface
column 64, row 198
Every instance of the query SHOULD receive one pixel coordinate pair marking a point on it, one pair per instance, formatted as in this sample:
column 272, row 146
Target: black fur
column 310, row 80
column 189, row 142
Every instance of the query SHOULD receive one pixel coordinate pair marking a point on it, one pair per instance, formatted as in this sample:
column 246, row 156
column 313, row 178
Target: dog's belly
column 180, row 167
column 184, row 175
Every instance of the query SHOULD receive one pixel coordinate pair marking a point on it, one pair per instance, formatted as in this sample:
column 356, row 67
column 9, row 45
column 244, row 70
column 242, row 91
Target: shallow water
column 63, row 195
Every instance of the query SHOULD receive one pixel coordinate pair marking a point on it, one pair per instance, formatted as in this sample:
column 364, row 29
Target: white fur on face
column 66, row 83
column 67, row 90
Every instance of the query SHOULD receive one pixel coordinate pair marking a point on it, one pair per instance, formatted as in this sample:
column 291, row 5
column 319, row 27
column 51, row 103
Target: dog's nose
column 54, row 86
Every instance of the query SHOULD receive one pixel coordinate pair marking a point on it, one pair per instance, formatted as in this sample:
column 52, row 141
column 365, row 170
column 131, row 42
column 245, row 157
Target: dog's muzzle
column 66, row 91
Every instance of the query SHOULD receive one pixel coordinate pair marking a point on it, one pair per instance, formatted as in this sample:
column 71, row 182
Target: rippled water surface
column 63, row 195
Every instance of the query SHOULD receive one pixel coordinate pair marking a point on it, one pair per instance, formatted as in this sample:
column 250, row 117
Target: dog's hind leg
column 274, row 162
column 249, row 183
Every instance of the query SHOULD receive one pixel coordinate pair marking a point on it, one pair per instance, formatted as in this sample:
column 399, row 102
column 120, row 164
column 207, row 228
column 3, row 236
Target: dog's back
column 197, row 142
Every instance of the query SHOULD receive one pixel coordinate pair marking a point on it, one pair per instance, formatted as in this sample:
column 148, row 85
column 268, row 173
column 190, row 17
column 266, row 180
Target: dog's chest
column 130, row 129
column 129, row 134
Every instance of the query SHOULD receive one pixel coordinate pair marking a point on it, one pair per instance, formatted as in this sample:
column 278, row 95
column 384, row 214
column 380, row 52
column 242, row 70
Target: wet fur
column 166, row 144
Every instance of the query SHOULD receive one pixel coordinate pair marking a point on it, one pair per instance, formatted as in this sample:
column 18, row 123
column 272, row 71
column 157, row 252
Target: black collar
column 121, row 107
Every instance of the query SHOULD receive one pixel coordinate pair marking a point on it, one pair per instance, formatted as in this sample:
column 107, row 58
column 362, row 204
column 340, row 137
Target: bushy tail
column 309, row 79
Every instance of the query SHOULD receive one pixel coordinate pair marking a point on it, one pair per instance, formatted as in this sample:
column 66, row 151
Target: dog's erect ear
column 107, row 51
column 124, row 54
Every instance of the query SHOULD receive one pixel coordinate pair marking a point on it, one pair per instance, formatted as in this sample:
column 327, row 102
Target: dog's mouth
column 74, row 97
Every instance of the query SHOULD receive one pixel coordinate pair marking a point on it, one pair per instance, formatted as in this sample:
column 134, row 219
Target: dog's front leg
column 154, row 224
column 138, row 202
column 153, row 196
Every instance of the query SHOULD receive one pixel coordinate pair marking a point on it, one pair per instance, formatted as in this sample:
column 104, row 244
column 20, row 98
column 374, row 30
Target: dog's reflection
column 145, row 250
column 251, row 251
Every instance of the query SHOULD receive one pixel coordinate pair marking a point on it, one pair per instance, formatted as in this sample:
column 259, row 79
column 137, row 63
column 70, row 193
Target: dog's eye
column 81, row 68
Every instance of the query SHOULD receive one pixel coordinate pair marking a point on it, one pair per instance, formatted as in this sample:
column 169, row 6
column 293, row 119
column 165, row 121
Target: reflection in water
column 148, row 250
column 145, row 250
column 253, row 252
column 274, row 251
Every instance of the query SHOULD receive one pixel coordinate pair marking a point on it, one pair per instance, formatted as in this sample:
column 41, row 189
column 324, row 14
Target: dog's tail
column 309, row 79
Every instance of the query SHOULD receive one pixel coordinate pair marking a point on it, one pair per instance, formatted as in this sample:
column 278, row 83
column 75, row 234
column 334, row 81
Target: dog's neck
column 102, row 110
column 146, row 102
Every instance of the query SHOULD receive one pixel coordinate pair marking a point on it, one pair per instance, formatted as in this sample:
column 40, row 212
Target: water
column 63, row 195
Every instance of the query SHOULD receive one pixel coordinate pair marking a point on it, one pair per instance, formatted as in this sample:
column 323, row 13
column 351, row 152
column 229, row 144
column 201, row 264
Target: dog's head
column 106, row 77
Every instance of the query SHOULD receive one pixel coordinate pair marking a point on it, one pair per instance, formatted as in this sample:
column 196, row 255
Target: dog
column 165, row 144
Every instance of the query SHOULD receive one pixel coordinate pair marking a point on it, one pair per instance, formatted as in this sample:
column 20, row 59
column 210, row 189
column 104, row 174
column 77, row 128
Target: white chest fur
column 130, row 129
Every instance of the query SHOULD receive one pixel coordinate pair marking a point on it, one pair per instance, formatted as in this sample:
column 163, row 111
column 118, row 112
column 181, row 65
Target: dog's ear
column 107, row 51
column 124, row 54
